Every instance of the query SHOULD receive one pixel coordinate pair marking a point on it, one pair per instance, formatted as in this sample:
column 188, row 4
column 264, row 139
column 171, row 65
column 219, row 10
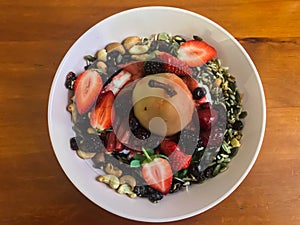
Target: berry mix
column 179, row 80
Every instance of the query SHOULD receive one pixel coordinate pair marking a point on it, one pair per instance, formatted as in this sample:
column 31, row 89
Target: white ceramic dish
column 144, row 22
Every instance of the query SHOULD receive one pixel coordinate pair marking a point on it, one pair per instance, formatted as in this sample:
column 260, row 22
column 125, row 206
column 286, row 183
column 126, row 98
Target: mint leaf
column 139, row 157
column 135, row 163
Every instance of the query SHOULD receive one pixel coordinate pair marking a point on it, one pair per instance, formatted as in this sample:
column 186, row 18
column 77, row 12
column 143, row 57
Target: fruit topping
column 159, row 111
column 154, row 66
column 168, row 147
column 87, row 88
column 118, row 82
column 102, row 114
column 70, row 80
column 199, row 93
column 196, row 53
column 174, row 65
column 157, row 173
column 207, row 118
column 136, row 69
column 178, row 159
column 212, row 138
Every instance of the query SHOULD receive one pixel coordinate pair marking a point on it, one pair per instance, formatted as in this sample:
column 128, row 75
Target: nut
column 102, row 55
column 131, row 41
column 91, row 130
column 101, row 65
column 218, row 82
column 71, row 108
column 127, row 179
column 110, row 169
column 138, row 49
column 111, row 180
column 141, row 57
column 115, row 46
column 126, row 189
column 99, row 159
column 85, row 155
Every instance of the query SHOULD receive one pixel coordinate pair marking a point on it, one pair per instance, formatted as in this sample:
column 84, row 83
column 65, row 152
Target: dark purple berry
column 199, row 93
column 73, row 144
column 70, row 79
column 153, row 67
column 238, row 125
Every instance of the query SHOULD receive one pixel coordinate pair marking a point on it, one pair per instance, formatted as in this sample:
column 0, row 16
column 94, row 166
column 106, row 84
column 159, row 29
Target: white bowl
column 144, row 22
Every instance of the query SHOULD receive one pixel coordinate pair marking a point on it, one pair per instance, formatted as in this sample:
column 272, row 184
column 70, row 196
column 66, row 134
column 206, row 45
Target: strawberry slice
column 196, row 53
column 179, row 160
column 103, row 113
column 157, row 173
column 168, row 147
column 174, row 65
column 87, row 88
column 136, row 69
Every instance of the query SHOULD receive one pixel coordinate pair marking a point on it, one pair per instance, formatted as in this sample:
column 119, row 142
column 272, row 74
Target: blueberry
column 199, row 93
column 238, row 125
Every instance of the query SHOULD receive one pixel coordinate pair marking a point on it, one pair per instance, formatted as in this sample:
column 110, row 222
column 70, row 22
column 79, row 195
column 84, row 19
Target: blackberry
column 148, row 192
column 153, row 67
column 141, row 133
column 199, row 93
column 133, row 123
column 70, row 80
column 188, row 140
column 155, row 197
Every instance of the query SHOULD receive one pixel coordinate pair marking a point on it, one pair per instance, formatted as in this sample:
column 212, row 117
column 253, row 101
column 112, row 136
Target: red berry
column 158, row 175
column 179, row 160
column 196, row 53
column 87, row 88
column 207, row 118
column 168, row 147
column 174, row 65
column 103, row 113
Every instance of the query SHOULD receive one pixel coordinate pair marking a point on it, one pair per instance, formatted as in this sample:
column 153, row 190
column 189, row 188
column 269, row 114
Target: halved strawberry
column 136, row 69
column 102, row 115
column 168, row 147
column 87, row 88
column 157, row 173
column 196, row 53
column 174, row 65
column 179, row 160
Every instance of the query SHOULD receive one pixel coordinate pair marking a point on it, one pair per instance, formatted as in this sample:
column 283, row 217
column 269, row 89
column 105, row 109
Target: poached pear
column 162, row 103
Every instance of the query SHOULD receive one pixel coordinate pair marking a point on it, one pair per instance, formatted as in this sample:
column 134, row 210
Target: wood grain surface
column 35, row 35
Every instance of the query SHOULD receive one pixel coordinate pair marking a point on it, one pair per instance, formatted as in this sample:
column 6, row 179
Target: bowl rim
column 259, row 83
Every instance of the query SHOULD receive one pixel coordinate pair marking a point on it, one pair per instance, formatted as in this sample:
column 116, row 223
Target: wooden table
column 34, row 37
